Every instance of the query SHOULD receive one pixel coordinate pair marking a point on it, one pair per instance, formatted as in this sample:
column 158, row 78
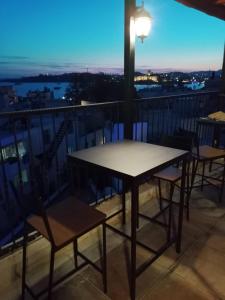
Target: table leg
column 134, row 201
column 181, row 207
column 124, row 203
column 72, row 178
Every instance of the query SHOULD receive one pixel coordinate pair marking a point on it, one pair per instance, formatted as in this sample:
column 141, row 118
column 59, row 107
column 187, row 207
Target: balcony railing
column 34, row 146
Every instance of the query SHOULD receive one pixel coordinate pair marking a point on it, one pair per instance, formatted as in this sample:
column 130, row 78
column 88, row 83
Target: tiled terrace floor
column 197, row 273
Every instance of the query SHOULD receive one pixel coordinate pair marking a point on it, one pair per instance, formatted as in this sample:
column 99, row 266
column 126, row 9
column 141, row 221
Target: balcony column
column 129, row 65
column 223, row 73
column 221, row 98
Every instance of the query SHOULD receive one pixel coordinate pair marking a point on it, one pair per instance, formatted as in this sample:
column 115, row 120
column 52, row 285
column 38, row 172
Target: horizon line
column 120, row 72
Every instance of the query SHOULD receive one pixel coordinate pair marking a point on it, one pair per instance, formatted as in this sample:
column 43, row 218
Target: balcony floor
column 197, row 273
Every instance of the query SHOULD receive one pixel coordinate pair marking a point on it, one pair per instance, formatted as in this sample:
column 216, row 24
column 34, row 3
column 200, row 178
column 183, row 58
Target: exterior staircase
column 47, row 157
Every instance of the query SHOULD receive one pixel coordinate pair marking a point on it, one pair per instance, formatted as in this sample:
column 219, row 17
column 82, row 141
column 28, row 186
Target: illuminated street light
column 143, row 22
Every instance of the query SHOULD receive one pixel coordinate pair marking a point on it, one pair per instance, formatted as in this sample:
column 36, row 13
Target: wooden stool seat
column 171, row 174
column 208, row 153
column 68, row 220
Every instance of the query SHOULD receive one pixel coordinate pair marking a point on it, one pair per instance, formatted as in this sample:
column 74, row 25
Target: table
column 217, row 127
column 133, row 161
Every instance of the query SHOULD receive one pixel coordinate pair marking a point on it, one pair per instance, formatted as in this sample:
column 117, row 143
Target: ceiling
column 214, row 8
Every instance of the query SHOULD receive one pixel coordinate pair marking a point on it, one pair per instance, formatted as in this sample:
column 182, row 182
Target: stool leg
column 188, row 191
column 124, row 204
column 188, row 206
column 138, row 207
column 210, row 166
column 193, row 174
column 160, row 194
column 51, row 270
column 104, row 266
column 170, row 212
column 75, row 252
column 190, row 187
column 24, row 262
column 222, row 184
column 203, row 174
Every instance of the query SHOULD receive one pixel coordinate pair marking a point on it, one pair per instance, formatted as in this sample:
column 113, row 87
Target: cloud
column 14, row 57
column 5, row 62
column 51, row 66
column 15, row 63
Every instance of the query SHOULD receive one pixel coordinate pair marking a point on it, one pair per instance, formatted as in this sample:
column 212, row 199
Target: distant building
column 39, row 99
column 147, row 77
column 45, row 95
column 7, row 97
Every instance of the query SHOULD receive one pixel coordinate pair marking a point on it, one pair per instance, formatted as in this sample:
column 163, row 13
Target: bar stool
column 203, row 154
column 206, row 154
column 62, row 224
column 173, row 175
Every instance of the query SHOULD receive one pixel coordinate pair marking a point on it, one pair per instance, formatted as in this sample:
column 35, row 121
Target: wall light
column 143, row 22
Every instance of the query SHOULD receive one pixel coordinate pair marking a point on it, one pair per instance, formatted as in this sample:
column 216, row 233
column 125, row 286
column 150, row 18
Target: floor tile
column 174, row 287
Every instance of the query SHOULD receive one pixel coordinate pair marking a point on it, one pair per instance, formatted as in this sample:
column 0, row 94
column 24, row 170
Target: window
column 9, row 152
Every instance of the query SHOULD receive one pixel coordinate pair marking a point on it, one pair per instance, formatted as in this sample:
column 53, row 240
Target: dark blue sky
column 47, row 36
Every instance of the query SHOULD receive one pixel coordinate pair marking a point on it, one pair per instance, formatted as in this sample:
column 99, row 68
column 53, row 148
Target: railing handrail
column 39, row 111
column 42, row 155
column 189, row 94
column 28, row 112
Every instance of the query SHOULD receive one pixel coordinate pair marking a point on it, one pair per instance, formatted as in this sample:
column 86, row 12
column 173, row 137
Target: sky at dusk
column 47, row 36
